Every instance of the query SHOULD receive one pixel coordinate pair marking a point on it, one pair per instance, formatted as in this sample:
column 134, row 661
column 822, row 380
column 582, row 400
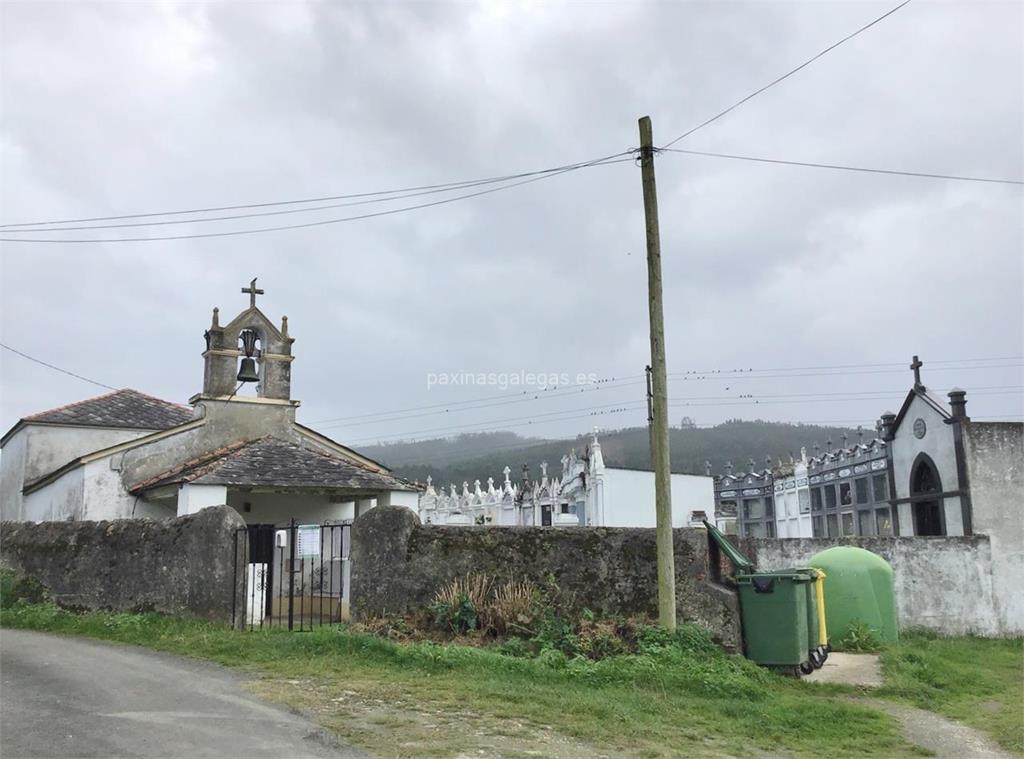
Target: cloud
column 122, row 108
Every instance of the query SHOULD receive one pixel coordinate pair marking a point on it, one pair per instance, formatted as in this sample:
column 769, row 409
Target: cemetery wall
column 952, row 585
column 175, row 566
column 398, row 564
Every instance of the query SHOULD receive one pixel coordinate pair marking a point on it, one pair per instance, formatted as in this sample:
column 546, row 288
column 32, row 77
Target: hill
column 482, row 455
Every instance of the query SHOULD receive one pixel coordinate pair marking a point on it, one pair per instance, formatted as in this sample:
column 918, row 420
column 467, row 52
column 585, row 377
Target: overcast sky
column 121, row 108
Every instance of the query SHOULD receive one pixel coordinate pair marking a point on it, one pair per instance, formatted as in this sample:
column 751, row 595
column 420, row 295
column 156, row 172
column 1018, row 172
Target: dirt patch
column 397, row 727
column 863, row 670
column 945, row 738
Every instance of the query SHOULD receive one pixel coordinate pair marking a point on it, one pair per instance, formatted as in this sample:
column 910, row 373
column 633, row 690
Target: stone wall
column 399, row 564
column 175, row 566
column 943, row 584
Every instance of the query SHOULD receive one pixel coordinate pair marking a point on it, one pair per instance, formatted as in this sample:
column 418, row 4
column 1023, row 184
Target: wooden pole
column 659, row 425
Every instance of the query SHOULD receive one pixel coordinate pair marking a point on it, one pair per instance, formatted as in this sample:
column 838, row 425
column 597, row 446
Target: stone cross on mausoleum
column 916, row 365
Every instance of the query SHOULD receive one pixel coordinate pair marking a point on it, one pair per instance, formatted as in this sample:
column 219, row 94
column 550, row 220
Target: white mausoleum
column 586, row 494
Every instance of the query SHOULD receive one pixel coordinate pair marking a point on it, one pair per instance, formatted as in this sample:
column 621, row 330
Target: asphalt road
column 68, row 697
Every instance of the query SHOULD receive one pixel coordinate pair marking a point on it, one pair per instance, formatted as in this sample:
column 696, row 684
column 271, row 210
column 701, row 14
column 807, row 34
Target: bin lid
column 742, row 562
column 784, row 574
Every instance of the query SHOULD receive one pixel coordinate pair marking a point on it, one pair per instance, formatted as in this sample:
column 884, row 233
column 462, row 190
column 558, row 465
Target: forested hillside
column 482, row 455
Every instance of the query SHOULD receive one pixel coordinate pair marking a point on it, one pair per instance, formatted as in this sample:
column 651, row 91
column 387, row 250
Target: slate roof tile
column 125, row 408
column 270, row 462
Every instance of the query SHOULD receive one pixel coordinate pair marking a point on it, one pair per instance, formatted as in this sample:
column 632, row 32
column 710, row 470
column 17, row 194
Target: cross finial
column 916, row 366
column 253, row 291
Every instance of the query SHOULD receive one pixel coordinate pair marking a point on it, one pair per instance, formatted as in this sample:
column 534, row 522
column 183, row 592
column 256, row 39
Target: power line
column 621, row 382
column 429, row 187
column 594, row 411
column 547, row 392
column 40, row 227
column 622, row 406
column 841, row 167
column 788, row 74
column 55, row 368
column 747, row 375
column 259, row 230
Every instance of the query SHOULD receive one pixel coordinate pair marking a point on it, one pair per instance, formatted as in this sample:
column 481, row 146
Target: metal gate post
column 291, row 572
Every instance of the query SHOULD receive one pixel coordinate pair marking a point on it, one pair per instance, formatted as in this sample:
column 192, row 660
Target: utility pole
column 659, row 423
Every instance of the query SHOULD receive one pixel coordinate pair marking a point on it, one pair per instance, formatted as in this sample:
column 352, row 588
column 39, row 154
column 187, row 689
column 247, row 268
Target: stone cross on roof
column 253, row 291
column 916, row 365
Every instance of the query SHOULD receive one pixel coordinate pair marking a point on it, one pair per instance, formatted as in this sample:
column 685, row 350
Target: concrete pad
column 849, row 669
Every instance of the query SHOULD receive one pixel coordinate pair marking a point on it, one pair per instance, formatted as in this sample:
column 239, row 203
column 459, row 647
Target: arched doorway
column 928, row 512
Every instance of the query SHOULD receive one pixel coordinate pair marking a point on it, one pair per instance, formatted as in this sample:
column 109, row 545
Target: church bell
column 247, row 371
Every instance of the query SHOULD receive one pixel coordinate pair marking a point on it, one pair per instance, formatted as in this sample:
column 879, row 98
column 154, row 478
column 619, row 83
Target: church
column 127, row 455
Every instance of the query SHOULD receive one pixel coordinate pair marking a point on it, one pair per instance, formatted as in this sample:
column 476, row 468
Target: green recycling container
column 860, row 590
column 774, row 609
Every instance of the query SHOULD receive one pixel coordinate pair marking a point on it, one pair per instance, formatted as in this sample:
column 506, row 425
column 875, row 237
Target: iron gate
column 293, row 575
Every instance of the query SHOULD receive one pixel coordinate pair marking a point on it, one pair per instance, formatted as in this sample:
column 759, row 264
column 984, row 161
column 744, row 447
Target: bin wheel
column 823, row 650
column 816, row 660
column 806, row 667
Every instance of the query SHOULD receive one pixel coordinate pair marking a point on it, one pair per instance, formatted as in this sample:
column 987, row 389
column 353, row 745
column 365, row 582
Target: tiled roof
column 121, row 408
column 269, row 462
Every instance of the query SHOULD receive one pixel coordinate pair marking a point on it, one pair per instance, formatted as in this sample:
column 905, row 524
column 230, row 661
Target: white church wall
column 105, row 496
column 37, row 450
column 629, row 498
column 12, row 464
column 193, row 498
column 50, row 448
column 407, row 498
column 938, row 444
column 61, row 500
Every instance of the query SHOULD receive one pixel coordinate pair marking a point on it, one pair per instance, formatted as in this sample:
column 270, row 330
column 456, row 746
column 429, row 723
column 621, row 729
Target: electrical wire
column 629, row 380
column 232, row 233
column 324, row 198
column 547, row 392
column 39, row 229
column 840, row 167
column 56, row 368
column 621, row 406
column 788, row 74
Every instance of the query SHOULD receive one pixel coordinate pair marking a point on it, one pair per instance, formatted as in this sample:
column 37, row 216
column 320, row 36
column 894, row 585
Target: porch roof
column 273, row 463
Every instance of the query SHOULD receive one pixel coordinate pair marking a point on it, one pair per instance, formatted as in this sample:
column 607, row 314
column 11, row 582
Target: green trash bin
column 779, row 611
column 773, row 606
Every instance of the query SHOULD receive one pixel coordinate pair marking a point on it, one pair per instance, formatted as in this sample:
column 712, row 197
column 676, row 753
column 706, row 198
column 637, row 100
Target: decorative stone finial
column 958, row 404
column 215, row 323
column 707, row 468
column 507, row 471
column 284, row 326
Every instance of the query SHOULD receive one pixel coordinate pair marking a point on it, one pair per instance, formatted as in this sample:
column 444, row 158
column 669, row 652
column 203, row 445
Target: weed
column 859, row 638
column 512, row 607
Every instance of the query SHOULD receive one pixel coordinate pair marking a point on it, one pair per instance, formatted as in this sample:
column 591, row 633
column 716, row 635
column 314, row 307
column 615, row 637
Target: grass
column 426, row 699
column 978, row 681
